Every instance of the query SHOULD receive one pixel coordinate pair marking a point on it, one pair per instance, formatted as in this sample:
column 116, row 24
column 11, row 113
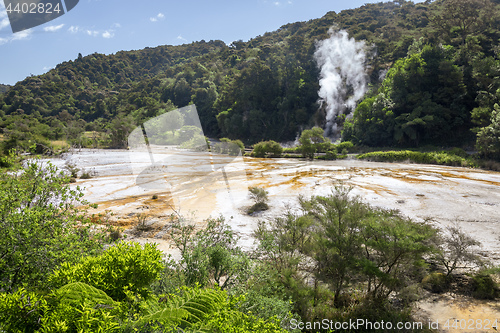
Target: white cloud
column 181, row 38
column 22, row 35
column 108, row 34
column 92, row 32
column 4, row 23
column 4, row 20
column 53, row 28
column 279, row 3
column 25, row 34
column 116, row 25
column 74, row 29
column 158, row 17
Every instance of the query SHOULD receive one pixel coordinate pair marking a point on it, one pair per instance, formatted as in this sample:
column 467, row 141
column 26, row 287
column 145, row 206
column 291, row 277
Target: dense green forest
column 4, row 88
column 441, row 60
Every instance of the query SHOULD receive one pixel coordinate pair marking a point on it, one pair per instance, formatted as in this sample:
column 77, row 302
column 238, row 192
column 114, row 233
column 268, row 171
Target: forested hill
column 443, row 81
column 4, row 88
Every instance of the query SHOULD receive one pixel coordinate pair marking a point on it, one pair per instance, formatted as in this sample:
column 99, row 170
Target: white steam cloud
column 342, row 63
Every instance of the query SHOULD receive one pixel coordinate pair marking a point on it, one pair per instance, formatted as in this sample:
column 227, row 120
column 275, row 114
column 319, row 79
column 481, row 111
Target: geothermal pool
column 198, row 185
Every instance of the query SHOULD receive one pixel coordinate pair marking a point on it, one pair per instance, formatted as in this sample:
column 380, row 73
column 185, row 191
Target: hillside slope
column 265, row 88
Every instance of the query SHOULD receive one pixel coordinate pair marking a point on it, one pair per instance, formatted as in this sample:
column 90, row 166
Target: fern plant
column 187, row 310
column 79, row 307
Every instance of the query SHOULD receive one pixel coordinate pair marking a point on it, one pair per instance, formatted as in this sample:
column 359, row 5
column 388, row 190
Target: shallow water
column 206, row 185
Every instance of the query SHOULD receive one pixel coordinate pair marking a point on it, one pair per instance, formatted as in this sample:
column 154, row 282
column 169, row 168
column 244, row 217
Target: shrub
column 331, row 155
column 265, row 148
column 441, row 158
column 230, row 147
column 257, row 207
column 435, row 282
column 122, row 268
column 259, row 195
column 85, row 175
column 21, row 311
column 483, row 286
column 347, row 145
column 40, row 227
column 5, row 162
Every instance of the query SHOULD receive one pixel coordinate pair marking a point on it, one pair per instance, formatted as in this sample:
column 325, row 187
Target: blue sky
column 109, row 26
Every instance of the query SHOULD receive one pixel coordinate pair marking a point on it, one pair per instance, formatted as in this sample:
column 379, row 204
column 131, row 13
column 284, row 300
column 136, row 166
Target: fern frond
column 79, row 293
column 191, row 307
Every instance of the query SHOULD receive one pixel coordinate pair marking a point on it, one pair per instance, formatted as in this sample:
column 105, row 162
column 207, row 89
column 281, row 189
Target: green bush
column 346, row 145
column 21, row 311
column 40, row 226
column 5, row 162
column 125, row 267
column 435, row 282
column 257, row 207
column 291, row 150
column 440, row 158
column 484, row 287
column 331, row 155
column 267, row 148
column 230, row 147
column 78, row 307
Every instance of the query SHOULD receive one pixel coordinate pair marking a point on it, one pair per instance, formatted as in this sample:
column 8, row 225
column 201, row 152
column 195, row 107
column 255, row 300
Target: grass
column 60, row 146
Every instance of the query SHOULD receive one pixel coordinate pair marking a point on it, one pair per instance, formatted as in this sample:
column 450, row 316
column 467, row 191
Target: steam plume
column 342, row 64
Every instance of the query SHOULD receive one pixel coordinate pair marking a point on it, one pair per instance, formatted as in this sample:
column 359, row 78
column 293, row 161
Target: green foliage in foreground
column 209, row 254
column 122, row 269
column 81, row 307
column 442, row 158
column 40, row 227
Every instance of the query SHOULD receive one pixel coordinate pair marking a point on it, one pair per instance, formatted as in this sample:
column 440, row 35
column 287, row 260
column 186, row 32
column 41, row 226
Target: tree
column 488, row 138
column 458, row 19
column 394, row 248
column 343, row 244
column 40, row 226
column 421, row 100
column 457, row 250
column 262, row 149
column 337, row 245
column 118, row 130
column 211, row 254
column 312, row 141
